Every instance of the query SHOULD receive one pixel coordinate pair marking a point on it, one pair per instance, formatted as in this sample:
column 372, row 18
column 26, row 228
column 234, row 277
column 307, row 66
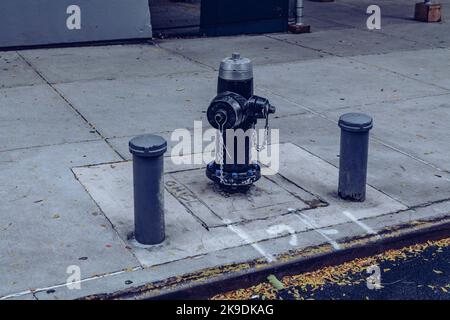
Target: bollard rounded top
column 356, row 122
column 148, row 145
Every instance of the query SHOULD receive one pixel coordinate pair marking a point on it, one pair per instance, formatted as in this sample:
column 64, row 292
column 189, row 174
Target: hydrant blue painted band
column 355, row 129
column 148, row 183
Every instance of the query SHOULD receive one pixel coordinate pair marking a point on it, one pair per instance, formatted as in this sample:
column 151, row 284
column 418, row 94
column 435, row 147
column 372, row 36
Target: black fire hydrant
column 235, row 117
column 235, row 112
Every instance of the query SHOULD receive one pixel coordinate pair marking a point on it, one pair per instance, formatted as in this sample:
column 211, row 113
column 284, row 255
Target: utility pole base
column 299, row 28
column 428, row 12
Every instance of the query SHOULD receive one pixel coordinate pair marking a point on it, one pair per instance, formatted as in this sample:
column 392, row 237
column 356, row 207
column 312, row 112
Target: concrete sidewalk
column 68, row 114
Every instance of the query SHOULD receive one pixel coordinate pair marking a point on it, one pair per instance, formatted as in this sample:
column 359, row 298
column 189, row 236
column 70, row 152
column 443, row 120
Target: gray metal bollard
column 353, row 157
column 148, row 182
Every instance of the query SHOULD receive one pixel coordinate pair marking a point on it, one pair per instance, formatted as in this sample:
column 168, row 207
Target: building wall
column 43, row 22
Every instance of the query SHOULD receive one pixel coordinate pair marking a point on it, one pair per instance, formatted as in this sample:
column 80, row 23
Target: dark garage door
column 218, row 17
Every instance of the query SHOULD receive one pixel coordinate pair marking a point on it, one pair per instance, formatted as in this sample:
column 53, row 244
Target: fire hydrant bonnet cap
column 148, row 145
column 236, row 68
column 356, row 122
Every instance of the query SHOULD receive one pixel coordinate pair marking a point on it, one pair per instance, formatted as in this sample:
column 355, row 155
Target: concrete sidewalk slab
column 112, row 188
column 243, row 223
column 149, row 282
column 48, row 220
column 337, row 82
column 435, row 35
column 321, row 226
column 262, row 50
column 36, row 116
column 431, row 66
column 268, row 198
column 350, row 42
column 129, row 107
column 283, row 109
column 416, row 127
column 406, row 179
column 27, row 297
column 14, row 71
column 396, row 174
column 321, row 179
column 106, row 62
column 319, row 135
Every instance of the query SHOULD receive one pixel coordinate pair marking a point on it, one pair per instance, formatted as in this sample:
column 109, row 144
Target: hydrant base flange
column 232, row 180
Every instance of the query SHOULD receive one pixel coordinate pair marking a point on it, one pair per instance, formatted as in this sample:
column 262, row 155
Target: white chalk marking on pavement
column 22, row 293
column 330, row 231
column 244, row 236
column 308, row 222
column 280, row 228
column 364, row 226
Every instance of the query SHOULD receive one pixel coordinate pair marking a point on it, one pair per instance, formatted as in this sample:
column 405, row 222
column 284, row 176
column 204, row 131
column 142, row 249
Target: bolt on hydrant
column 235, row 112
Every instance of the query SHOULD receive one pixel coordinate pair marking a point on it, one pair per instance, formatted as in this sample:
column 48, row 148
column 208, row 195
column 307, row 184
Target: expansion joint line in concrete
column 249, row 241
column 375, row 138
column 316, row 196
column 352, row 58
column 185, row 57
column 105, row 216
column 401, row 74
column 69, row 104
column 61, row 285
column 304, row 46
column 50, row 145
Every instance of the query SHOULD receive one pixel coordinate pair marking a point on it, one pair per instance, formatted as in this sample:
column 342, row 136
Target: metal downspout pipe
column 296, row 23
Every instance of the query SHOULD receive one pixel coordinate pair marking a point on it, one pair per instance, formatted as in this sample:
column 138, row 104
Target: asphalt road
column 420, row 271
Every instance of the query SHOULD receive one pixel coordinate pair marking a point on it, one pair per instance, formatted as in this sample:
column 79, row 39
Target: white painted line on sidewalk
column 308, row 222
column 282, row 228
column 38, row 290
column 364, row 226
column 244, row 236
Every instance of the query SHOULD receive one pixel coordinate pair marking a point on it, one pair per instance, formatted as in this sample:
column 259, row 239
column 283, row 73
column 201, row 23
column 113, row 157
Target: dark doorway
column 217, row 17
column 175, row 17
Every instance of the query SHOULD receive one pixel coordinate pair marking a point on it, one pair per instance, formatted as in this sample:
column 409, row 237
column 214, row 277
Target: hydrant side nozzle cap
column 355, row 122
column 148, row 145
